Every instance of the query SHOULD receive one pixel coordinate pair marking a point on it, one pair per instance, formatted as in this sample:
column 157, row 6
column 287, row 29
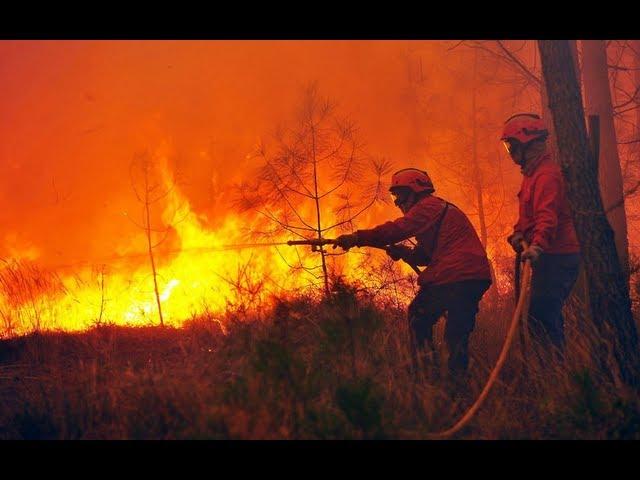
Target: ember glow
column 196, row 277
column 208, row 269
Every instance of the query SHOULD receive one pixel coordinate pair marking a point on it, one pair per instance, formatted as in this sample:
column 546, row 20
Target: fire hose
column 523, row 286
column 521, row 310
column 317, row 244
column 523, row 293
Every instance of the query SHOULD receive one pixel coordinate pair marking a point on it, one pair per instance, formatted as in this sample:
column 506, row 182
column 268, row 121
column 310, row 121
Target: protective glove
column 346, row 241
column 532, row 253
column 515, row 240
column 399, row 252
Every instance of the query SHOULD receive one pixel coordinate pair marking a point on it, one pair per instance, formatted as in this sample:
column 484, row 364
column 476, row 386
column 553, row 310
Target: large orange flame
column 204, row 275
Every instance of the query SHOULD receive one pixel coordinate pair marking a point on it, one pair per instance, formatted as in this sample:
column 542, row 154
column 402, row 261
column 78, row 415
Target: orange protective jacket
column 456, row 255
column 545, row 216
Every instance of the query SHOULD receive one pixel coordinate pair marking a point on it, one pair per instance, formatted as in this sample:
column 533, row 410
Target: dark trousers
column 460, row 301
column 553, row 278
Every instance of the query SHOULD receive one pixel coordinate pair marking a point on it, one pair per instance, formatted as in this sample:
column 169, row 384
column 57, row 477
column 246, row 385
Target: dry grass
column 307, row 369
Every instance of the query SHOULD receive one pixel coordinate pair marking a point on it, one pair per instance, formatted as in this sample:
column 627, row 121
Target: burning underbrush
column 173, row 268
column 301, row 368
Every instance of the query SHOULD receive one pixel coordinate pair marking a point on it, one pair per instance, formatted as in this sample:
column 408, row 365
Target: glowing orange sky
column 75, row 112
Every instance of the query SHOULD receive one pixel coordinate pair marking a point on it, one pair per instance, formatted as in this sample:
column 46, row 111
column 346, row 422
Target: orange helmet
column 416, row 180
column 524, row 127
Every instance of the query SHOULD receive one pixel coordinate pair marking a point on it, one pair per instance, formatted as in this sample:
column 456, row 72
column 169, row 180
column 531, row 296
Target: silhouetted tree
column 151, row 187
column 317, row 167
column 608, row 289
column 597, row 97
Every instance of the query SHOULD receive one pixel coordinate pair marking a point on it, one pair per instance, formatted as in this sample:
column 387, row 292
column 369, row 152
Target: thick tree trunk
column 579, row 299
column 636, row 64
column 608, row 289
column 580, row 295
column 546, row 113
column 597, row 99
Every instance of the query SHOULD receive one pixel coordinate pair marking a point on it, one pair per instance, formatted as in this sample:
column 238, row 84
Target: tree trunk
column 150, row 245
column 477, row 176
column 546, row 113
column 597, row 98
column 316, row 198
column 608, row 288
column 636, row 64
column 579, row 299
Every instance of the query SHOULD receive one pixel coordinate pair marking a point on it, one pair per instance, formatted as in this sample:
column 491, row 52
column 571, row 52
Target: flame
column 199, row 277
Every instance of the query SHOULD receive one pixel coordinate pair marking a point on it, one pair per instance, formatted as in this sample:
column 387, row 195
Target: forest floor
column 307, row 369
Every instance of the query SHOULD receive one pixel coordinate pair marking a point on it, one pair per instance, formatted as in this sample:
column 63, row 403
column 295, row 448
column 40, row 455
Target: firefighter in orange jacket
column 545, row 223
column 458, row 273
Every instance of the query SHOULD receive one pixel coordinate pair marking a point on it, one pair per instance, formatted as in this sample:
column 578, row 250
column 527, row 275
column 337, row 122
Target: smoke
column 76, row 112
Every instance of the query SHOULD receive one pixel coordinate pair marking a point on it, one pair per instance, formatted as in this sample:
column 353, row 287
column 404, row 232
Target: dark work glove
column 346, row 241
column 515, row 240
column 399, row 252
column 532, row 253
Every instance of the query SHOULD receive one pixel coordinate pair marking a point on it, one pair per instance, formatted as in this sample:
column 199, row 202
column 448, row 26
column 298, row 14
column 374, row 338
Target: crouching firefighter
column 545, row 224
column 458, row 270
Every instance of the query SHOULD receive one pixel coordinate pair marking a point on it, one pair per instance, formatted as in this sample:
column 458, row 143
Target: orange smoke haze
column 74, row 114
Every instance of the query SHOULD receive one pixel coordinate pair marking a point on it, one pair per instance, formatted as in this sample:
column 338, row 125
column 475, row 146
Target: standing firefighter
column 458, row 270
column 545, row 223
